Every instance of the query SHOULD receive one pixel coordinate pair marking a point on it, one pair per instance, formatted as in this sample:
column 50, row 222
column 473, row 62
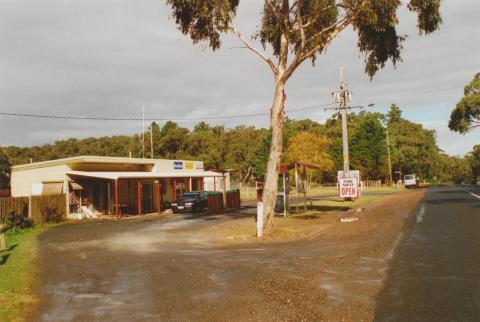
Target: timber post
column 3, row 243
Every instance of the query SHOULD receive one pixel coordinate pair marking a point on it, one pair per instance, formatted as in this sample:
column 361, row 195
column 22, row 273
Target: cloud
column 110, row 57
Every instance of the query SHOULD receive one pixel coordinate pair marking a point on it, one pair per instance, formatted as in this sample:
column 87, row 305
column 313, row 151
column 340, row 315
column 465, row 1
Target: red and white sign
column 351, row 174
column 349, row 188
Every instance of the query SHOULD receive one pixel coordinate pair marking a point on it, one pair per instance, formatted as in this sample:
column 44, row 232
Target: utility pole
column 389, row 159
column 342, row 97
column 143, row 131
column 151, row 141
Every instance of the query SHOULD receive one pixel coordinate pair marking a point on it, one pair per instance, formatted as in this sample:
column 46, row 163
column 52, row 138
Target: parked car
column 411, row 181
column 194, row 201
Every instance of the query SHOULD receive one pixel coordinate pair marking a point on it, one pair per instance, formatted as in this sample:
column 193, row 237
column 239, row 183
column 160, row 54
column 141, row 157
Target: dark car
column 195, row 201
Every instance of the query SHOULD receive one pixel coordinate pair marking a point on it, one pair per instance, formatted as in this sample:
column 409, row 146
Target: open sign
column 348, row 188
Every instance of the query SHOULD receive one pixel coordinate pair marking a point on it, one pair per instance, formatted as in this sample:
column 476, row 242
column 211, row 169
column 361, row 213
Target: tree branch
column 297, row 62
column 255, row 50
column 336, row 25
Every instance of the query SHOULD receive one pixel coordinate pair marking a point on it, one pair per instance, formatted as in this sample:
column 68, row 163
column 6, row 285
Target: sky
column 109, row 58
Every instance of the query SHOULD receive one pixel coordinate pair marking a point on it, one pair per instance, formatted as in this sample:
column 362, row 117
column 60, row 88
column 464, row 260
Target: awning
column 143, row 175
column 75, row 186
column 52, row 188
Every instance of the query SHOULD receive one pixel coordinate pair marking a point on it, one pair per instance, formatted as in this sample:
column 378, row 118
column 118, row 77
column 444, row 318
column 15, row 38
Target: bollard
column 260, row 220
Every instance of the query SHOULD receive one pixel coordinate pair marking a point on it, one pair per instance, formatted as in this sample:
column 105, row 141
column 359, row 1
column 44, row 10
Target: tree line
column 245, row 149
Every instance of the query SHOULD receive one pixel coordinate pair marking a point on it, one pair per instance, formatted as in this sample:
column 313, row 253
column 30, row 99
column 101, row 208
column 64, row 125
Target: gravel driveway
column 171, row 270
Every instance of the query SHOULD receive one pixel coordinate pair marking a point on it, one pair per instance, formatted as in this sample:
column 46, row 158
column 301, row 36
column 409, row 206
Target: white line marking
column 421, row 213
column 472, row 194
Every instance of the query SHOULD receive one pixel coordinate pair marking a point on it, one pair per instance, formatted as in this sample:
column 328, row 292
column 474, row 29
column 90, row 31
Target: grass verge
column 17, row 273
column 320, row 214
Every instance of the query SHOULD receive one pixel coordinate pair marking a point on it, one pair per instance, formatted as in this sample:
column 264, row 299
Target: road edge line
column 471, row 193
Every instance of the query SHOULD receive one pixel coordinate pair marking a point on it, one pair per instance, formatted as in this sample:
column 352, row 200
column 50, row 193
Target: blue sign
column 177, row 165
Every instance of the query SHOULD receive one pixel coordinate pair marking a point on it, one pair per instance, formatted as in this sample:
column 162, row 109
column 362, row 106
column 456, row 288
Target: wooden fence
column 372, row 183
column 233, row 199
column 49, row 208
column 17, row 205
column 215, row 201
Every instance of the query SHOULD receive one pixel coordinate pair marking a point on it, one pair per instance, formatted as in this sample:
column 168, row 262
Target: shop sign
column 177, row 165
column 348, row 188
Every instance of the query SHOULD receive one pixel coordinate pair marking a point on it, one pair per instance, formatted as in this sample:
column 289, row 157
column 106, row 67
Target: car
column 193, row 201
column 411, row 181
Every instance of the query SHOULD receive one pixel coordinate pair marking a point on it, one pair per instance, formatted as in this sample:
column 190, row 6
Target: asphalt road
column 435, row 273
column 169, row 270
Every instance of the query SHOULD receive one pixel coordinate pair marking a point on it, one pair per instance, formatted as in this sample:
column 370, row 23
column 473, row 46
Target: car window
column 409, row 177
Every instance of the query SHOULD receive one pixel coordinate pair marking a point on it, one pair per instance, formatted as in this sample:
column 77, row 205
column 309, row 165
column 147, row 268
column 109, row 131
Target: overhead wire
column 100, row 118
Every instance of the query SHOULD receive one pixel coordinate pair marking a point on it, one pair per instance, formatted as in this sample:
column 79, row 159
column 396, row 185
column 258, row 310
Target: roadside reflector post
column 260, row 220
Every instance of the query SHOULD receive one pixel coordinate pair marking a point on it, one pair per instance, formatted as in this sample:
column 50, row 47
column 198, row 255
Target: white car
column 411, row 181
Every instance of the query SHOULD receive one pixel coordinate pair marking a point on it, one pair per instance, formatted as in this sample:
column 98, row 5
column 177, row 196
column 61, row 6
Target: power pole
column 143, row 132
column 151, row 141
column 342, row 97
column 389, row 160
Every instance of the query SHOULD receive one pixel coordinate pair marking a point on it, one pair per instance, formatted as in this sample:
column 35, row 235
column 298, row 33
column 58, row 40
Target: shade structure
column 143, row 175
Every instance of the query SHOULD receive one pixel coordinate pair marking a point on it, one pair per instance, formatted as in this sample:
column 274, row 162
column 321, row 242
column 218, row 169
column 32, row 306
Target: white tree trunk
column 276, row 150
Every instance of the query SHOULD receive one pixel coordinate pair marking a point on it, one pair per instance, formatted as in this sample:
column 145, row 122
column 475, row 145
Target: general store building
column 113, row 185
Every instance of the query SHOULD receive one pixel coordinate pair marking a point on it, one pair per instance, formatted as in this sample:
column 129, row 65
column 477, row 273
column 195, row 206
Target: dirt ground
column 181, row 269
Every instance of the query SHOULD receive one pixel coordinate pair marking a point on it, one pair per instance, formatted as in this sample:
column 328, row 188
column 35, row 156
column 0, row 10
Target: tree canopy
column 4, row 169
column 245, row 149
column 300, row 30
column 466, row 115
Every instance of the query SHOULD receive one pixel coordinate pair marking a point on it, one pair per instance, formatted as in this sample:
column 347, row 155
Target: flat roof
column 86, row 159
column 114, row 175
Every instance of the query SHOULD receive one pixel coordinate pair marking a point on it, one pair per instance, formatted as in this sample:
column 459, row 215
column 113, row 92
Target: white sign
column 348, row 188
column 351, row 174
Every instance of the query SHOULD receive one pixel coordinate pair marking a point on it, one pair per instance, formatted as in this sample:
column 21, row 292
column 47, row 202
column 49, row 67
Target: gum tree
column 294, row 31
column 466, row 115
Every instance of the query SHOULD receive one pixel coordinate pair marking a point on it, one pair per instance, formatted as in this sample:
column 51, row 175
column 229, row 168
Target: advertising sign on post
column 345, row 188
column 348, row 188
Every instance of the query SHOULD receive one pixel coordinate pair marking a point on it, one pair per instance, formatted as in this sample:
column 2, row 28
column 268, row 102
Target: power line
column 99, row 118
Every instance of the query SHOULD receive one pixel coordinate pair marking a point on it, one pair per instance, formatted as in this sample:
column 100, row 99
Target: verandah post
column 139, row 196
column 117, row 212
column 159, row 202
column 174, row 189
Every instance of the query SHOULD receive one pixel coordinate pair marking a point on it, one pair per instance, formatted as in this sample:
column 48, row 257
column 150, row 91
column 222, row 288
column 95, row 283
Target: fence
column 48, row 208
column 215, row 201
column 248, row 192
column 233, row 199
column 372, row 183
column 17, row 205
column 43, row 208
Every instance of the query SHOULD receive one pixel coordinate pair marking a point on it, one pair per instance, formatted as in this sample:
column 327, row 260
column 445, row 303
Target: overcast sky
column 111, row 57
